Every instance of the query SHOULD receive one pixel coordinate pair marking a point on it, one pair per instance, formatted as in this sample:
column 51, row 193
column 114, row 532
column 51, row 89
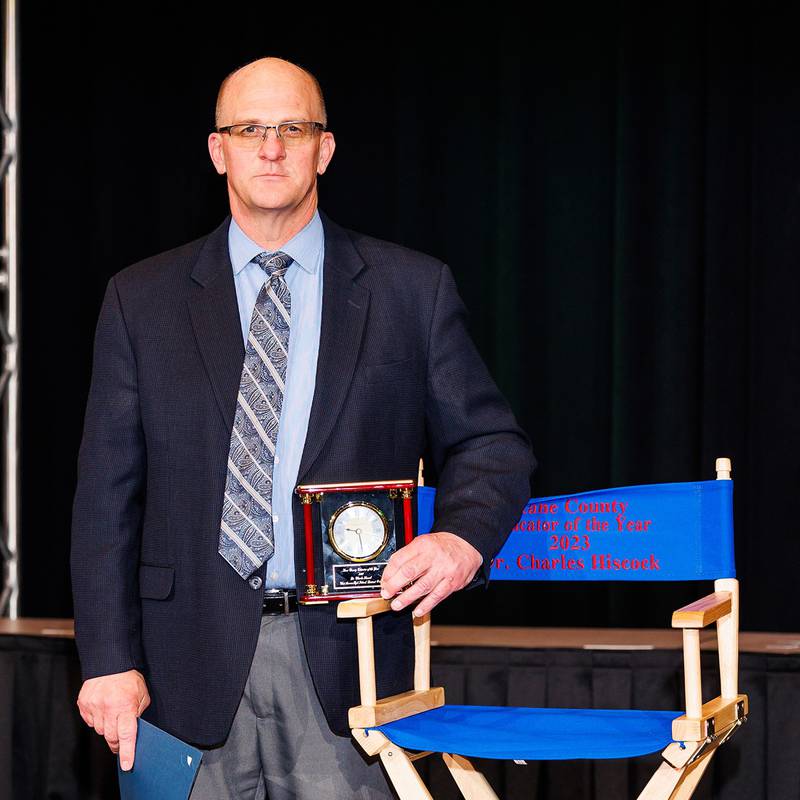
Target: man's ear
column 326, row 147
column 217, row 152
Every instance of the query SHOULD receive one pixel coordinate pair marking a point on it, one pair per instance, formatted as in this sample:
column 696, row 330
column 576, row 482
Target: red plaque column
column 311, row 575
column 408, row 517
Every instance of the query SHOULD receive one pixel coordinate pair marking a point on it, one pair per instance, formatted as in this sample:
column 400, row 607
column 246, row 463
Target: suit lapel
column 344, row 312
column 214, row 312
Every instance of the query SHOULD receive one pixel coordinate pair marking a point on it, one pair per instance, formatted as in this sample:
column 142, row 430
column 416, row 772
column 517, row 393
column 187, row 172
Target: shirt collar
column 304, row 247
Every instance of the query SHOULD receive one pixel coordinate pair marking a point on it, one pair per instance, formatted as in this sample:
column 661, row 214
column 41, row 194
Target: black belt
column 279, row 601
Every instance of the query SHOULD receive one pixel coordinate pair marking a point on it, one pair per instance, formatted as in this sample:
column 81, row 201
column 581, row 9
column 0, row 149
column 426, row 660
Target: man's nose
column 271, row 145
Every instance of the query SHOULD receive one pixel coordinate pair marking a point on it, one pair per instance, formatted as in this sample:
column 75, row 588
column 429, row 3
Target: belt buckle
column 276, row 593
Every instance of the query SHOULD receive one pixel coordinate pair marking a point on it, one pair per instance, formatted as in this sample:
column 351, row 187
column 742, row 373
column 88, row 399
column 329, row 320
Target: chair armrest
column 721, row 607
column 361, row 607
column 703, row 612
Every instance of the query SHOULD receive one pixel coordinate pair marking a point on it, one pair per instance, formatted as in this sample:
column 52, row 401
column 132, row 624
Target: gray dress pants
column 280, row 745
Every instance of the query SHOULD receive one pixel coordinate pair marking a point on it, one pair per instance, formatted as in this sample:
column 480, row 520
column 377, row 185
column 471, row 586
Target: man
column 280, row 349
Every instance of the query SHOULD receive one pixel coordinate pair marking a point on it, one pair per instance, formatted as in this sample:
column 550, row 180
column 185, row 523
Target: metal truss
column 9, row 320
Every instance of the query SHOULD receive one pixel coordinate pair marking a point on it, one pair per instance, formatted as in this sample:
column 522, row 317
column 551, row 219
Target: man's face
column 272, row 176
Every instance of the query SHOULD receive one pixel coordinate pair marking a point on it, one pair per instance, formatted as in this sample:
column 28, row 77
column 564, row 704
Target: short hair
column 226, row 81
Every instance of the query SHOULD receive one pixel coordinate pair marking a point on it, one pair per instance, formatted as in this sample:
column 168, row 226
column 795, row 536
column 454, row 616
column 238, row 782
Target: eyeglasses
column 249, row 135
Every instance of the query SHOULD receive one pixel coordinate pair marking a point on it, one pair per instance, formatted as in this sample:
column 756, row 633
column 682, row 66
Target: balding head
column 269, row 70
column 272, row 180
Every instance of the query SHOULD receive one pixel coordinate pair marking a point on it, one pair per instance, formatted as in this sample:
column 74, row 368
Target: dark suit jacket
column 397, row 375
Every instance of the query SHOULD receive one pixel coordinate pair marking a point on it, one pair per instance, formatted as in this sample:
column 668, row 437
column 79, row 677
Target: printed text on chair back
column 662, row 531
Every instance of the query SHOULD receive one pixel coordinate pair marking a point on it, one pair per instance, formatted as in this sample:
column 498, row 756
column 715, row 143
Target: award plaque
column 354, row 528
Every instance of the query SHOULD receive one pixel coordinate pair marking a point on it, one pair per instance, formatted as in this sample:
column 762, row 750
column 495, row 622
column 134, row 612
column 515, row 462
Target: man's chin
column 266, row 202
column 273, row 202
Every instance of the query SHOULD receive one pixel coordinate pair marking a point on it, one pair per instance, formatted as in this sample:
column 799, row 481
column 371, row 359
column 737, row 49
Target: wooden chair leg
column 472, row 784
column 691, row 778
column 671, row 783
column 663, row 783
column 404, row 777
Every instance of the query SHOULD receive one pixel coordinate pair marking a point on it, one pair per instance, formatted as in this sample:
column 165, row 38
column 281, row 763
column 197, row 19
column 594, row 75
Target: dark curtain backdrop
column 614, row 185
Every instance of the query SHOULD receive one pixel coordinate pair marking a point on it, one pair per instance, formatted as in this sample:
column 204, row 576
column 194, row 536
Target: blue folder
column 164, row 768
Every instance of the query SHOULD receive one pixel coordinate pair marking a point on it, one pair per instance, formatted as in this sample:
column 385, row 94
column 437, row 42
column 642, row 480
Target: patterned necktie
column 245, row 537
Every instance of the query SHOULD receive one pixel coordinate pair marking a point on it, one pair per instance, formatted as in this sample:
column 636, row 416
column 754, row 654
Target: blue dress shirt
column 304, row 279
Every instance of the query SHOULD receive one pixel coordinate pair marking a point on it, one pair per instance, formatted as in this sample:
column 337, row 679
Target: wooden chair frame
column 698, row 733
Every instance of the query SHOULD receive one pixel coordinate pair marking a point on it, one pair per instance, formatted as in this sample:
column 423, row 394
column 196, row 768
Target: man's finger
column 399, row 563
column 406, row 565
column 126, row 728
column 86, row 717
column 442, row 590
column 110, row 728
column 421, row 587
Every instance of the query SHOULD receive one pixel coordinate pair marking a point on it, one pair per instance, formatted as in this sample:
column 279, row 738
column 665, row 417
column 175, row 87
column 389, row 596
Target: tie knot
column 274, row 265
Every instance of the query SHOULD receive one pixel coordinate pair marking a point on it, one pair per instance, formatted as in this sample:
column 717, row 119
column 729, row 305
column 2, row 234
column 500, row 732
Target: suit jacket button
column 255, row 582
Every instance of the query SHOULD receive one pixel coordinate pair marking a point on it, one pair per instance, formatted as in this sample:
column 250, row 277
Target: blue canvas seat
column 676, row 531
column 534, row 734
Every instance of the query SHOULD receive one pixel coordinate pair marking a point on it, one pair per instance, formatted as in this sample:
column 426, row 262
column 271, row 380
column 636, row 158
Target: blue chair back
column 654, row 532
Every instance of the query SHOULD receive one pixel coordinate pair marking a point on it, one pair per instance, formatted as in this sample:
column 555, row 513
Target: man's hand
column 438, row 563
column 111, row 704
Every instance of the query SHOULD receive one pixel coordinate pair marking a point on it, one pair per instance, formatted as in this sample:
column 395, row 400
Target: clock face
column 358, row 531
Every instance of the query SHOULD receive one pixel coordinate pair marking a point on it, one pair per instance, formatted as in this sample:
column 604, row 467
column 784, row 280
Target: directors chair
column 673, row 531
